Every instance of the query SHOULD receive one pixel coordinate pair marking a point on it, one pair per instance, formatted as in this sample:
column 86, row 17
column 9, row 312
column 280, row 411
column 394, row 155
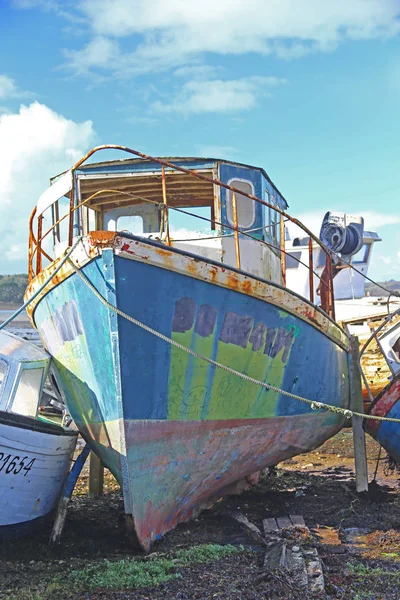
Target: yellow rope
column 314, row 405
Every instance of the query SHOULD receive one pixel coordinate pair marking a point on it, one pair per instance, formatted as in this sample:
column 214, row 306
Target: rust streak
column 102, row 238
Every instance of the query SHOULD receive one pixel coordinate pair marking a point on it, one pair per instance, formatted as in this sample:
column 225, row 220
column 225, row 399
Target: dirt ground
column 319, row 486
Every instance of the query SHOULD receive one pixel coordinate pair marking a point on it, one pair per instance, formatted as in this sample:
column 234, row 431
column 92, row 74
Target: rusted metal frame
column 71, row 214
column 32, row 242
column 282, row 249
column 311, row 269
column 189, row 214
column 214, row 222
column 331, row 307
column 170, row 165
column 42, row 252
column 57, row 223
column 165, row 163
column 39, row 245
column 165, row 202
column 236, row 229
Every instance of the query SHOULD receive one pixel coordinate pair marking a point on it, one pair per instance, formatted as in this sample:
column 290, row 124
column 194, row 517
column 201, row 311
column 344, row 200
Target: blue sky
column 307, row 89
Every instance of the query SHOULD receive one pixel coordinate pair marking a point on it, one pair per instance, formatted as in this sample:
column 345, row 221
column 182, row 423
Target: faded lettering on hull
column 198, row 390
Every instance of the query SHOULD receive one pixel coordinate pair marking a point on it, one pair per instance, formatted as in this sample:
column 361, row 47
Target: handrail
column 197, row 175
column 189, row 214
column 326, row 281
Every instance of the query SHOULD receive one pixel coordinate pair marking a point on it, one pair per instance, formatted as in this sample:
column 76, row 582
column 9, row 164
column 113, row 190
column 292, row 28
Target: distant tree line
column 12, row 287
column 374, row 290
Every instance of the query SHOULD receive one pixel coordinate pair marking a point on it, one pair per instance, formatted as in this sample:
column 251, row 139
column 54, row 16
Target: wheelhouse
column 220, row 210
column 23, row 371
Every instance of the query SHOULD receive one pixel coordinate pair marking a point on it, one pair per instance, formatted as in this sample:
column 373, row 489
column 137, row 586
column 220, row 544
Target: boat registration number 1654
column 10, row 464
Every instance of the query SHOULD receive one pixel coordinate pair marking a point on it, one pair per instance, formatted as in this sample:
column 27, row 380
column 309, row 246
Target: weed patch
column 140, row 573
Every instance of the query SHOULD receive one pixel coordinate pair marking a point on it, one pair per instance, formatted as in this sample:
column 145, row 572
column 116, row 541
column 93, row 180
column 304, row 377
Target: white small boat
column 35, row 455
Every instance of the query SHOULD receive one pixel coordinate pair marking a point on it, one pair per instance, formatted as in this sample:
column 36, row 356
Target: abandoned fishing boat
column 35, row 456
column 178, row 350
column 387, row 402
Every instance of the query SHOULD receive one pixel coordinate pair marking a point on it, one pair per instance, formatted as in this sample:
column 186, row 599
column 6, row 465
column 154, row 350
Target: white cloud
column 35, row 144
column 387, row 260
column 8, row 89
column 374, row 220
column 100, row 53
column 197, row 72
column 219, row 95
column 176, row 32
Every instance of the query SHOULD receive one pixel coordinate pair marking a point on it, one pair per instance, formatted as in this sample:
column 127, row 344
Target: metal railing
column 36, row 251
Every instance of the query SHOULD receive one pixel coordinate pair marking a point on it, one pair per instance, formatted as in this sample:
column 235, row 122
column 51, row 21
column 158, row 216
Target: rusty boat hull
column 176, row 431
column 386, row 404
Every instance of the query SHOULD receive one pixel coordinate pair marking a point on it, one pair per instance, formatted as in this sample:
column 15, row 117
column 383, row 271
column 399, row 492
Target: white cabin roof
column 16, row 349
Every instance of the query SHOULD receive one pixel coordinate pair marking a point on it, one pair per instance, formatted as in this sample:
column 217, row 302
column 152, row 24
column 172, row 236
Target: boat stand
column 356, row 404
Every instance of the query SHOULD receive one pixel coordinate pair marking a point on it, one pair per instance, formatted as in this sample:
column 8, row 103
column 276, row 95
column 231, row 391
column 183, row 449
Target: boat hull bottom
column 175, row 469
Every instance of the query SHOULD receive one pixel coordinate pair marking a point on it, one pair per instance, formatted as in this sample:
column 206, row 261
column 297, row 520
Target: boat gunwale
column 33, row 424
column 111, row 242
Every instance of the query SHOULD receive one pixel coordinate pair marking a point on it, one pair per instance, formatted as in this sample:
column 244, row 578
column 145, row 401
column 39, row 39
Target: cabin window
column 3, row 372
column 181, row 224
column 245, row 206
column 26, row 398
column 362, row 254
column 131, row 223
column 292, row 260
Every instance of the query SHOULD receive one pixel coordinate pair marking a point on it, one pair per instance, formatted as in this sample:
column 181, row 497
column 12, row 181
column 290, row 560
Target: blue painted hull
column 387, row 433
column 175, row 430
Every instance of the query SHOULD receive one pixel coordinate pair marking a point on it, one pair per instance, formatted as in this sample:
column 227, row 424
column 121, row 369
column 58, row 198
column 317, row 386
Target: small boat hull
column 175, row 430
column 386, row 404
column 34, row 461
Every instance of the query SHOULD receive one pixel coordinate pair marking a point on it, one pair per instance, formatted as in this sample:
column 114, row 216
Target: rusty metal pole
column 236, row 232
column 164, row 193
column 30, row 258
column 71, row 218
column 39, row 245
column 311, row 269
column 331, row 299
column 283, row 255
column 32, row 241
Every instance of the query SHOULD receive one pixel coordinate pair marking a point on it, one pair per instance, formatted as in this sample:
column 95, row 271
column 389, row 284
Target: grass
column 138, row 573
column 129, row 573
column 371, row 582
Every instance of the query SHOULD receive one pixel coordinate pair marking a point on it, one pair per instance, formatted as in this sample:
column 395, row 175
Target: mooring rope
column 314, row 405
